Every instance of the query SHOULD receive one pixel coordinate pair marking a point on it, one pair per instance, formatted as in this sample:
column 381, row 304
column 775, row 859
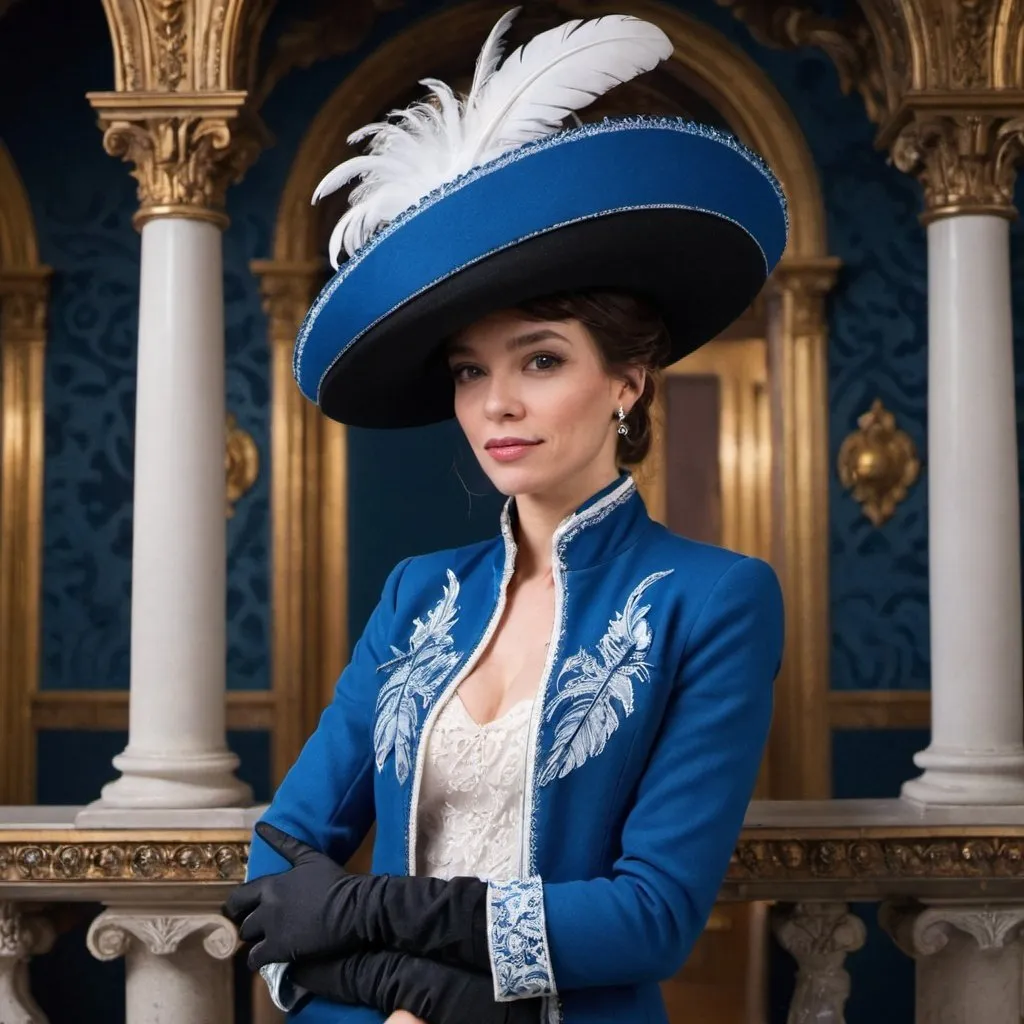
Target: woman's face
column 537, row 404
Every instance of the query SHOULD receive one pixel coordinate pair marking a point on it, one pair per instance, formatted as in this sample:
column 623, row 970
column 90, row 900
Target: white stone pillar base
column 976, row 754
column 22, row 936
column 177, row 755
column 178, row 964
column 151, row 780
column 969, row 960
column 819, row 936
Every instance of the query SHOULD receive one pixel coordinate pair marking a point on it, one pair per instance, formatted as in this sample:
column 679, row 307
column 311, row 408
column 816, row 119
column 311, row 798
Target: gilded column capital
column 966, row 155
column 943, row 79
column 185, row 150
column 113, row 933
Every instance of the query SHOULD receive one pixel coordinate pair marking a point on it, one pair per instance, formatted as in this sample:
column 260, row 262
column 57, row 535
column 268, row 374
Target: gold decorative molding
column 798, row 358
column 880, row 709
column 24, row 293
column 241, row 463
column 180, row 113
column 872, row 861
column 848, row 42
column 185, row 45
column 966, row 160
column 308, row 496
column 887, row 860
column 892, row 50
column 184, row 150
column 100, row 710
column 332, row 29
column 878, row 463
column 122, row 857
column 943, row 79
column 288, row 289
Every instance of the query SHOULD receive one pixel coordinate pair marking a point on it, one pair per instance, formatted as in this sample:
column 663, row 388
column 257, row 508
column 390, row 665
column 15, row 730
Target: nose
column 503, row 401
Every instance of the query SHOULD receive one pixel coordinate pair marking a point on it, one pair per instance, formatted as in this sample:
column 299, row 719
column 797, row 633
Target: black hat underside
column 700, row 270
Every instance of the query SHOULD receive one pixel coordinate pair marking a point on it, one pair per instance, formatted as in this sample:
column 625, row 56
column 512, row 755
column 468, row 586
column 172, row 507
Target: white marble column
column 976, row 755
column 178, row 962
column 176, row 755
column 969, row 960
column 22, row 936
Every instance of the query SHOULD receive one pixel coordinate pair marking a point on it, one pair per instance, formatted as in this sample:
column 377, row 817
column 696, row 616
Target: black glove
column 434, row 992
column 317, row 909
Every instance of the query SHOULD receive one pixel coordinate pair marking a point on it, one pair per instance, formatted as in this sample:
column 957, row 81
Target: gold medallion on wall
column 241, row 463
column 878, row 463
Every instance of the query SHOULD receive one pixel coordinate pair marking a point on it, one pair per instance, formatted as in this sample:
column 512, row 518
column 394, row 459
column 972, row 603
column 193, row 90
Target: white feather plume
column 511, row 102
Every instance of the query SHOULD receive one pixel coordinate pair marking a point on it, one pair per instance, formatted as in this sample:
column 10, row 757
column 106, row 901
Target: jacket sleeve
column 640, row 924
column 326, row 799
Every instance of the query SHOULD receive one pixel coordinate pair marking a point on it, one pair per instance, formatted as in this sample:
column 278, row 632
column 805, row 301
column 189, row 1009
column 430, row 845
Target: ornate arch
column 728, row 80
column 23, row 297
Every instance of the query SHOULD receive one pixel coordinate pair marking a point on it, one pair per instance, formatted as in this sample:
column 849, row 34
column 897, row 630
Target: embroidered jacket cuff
column 517, row 940
column 284, row 993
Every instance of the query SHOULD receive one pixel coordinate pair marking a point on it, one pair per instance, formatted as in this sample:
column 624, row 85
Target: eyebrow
column 516, row 342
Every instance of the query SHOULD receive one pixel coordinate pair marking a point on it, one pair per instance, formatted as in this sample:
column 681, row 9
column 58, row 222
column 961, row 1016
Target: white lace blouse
column 469, row 815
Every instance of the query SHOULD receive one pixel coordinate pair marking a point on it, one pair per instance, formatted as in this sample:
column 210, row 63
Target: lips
column 508, row 449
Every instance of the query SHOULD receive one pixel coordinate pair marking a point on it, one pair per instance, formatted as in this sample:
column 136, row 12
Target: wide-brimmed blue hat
column 467, row 206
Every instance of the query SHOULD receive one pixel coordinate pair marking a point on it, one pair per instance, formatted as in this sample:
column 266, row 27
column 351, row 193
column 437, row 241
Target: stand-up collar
column 601, row 528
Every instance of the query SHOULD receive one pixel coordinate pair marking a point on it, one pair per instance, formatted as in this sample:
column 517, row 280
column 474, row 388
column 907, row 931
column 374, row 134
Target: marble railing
column 950, row 884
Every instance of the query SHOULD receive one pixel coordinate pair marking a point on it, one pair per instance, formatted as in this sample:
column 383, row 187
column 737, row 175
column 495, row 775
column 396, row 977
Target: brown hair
column 628, row 332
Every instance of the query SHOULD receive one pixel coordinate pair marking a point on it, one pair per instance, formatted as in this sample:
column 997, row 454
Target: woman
column 556, row 732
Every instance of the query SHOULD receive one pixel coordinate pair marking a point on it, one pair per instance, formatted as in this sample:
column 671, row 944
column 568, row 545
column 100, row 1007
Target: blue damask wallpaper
column 83, row 207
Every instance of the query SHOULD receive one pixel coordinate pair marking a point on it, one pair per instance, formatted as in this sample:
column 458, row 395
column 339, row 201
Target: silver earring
column 623, row 428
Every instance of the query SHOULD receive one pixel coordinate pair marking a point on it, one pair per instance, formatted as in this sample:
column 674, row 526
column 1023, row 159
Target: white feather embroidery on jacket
column 591, row 685
column 415, row 674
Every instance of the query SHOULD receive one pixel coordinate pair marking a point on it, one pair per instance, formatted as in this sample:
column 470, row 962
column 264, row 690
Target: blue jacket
column 644, row 750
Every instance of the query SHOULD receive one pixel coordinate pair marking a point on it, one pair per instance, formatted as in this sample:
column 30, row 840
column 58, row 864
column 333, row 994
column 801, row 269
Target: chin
column 511, row 479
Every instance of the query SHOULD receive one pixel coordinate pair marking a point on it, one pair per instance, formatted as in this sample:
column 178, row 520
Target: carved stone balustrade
column 951, row 881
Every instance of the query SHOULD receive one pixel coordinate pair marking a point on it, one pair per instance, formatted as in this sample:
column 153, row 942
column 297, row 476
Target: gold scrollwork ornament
column 878, row 463
column 241, row 463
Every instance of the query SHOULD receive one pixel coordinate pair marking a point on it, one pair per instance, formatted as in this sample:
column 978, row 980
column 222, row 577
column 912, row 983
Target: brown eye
column 466, row 372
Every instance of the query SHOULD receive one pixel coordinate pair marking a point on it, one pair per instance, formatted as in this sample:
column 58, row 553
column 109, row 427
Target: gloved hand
column 389, row 981
column 317, row 908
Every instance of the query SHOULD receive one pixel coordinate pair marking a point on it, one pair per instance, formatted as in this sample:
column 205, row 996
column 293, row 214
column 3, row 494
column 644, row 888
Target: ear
column 631, row 386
